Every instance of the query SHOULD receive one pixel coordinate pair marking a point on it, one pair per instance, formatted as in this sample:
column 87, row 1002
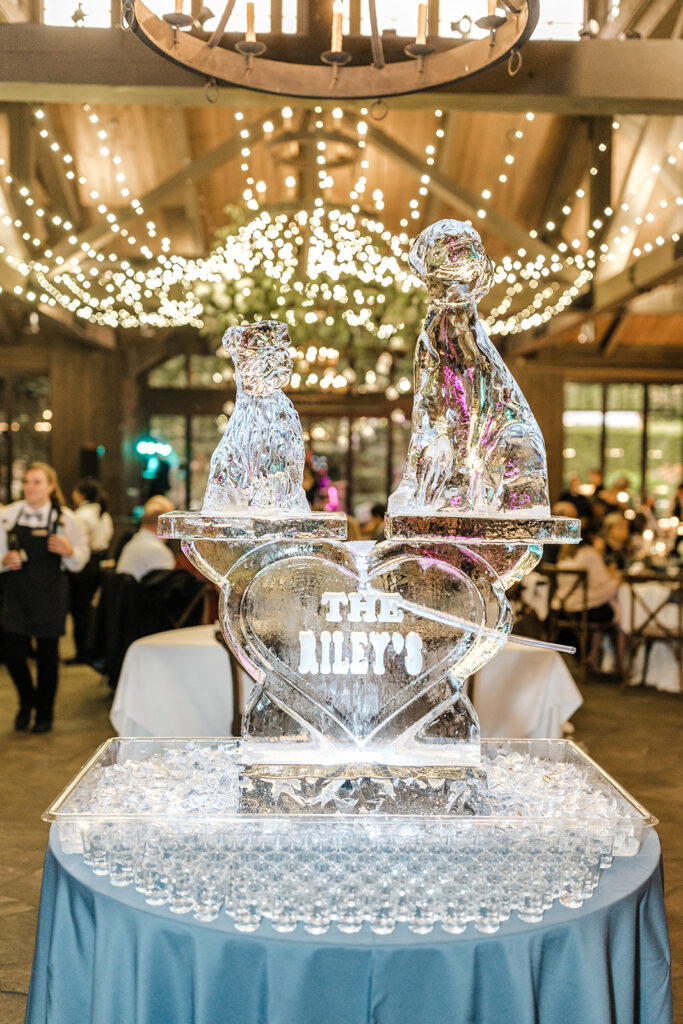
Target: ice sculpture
column 360, row 653
column 475, row 447
column 259, row 462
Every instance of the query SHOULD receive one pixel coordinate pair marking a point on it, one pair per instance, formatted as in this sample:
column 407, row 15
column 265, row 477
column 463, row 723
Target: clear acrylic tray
column 628, row 816
column 351, row 871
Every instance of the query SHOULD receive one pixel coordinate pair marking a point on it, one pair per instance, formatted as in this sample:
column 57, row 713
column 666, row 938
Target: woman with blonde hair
column 39, row 540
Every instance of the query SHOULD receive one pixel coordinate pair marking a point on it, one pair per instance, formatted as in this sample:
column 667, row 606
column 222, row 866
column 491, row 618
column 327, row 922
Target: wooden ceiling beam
column 630, row 11
column 567, row 175
column 650, row 20
column 610, row 338
column 643, row 275
column 62, row 191
column 61, row 319
column 47, row 64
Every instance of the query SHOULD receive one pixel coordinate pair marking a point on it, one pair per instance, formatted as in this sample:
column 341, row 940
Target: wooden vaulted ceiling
column 552, row 158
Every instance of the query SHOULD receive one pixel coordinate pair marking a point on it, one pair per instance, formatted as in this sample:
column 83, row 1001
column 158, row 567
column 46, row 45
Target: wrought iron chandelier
column 358, row 67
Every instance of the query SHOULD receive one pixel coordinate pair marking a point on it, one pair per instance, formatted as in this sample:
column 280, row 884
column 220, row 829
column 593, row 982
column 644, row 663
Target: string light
column 105, row 288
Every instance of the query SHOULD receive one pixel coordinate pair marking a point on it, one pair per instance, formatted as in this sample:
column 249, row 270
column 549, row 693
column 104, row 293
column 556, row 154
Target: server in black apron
column 40, row 540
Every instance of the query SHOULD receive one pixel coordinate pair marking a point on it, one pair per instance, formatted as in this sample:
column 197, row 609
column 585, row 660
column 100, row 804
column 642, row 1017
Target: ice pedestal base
column 362, row 789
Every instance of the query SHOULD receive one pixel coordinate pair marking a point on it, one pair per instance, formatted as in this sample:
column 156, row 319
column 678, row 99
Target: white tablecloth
column 525, row 692
column 179, row 684
column 175, row 684
column 663, row 670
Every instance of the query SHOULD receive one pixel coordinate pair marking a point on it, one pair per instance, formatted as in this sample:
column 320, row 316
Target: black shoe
column 22, row 720
column 41, row 725
column 75, row 661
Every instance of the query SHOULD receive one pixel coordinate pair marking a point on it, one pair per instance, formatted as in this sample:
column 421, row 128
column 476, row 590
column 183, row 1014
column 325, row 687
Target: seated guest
column 596, row 482
column 374, row 528
column 146, row 551
column 600, row 596
column 616, row 537
column 578, row 499
column 677, row 504
column 616, row 498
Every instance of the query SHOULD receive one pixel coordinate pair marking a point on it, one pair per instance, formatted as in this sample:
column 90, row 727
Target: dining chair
column 656, row 616
column 564, row 585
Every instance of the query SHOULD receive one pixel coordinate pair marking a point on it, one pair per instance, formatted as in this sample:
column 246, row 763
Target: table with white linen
column 526, row 692
column 175, row 684
column 663, row 670
column 179, row 684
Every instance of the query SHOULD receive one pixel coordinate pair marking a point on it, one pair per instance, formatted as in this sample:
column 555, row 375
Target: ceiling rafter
column 630, row 11
column 60, row 190
column 198, row 168
column 643, row 275
column 655, row 137
column 650, row 20
column 60, row 319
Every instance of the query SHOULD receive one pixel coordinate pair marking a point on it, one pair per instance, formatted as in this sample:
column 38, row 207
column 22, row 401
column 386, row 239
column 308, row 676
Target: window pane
column 289, row 22
column 623, row 434
column 171, row 429
column 664, row 443
column 369, row 464
column 560, row 19
column 238, row 17
column 582, row 422
column 171, row 374
column 210, row 372
column 205, row 432
column 96, row 13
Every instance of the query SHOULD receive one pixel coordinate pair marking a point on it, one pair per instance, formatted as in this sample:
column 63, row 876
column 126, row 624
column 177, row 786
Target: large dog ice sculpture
column 475, row 447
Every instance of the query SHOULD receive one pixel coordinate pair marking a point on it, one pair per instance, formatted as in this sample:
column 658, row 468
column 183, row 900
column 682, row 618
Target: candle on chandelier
column 492, row 7
column 421, row 37
column 179, row 6
column 251, row 34
column 336, row 44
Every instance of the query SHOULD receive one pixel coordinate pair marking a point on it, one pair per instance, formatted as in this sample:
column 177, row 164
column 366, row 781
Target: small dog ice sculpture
column 258, row 464
column 475, row 447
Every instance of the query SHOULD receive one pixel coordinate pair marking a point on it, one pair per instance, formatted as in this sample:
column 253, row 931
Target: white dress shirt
column 143, row 553
column 96, row 524
column 601, row 584
column 20, row 513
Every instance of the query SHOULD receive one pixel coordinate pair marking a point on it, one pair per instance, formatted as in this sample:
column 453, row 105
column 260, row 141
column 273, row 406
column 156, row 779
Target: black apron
column 36, row 597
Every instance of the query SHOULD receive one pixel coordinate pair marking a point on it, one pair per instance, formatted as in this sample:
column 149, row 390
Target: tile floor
column 635, row 735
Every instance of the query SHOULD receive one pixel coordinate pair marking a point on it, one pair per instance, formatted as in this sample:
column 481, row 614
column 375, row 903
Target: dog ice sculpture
column 476, row 448
column 259, row 462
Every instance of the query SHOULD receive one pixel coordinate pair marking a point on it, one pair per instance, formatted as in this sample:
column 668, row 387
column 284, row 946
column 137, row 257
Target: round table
column 103, row 956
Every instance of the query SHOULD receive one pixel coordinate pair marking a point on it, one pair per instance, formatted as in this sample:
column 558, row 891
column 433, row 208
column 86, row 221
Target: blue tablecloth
column 104, row 957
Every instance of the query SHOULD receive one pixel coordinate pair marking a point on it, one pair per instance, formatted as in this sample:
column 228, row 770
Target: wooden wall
column 86, row 386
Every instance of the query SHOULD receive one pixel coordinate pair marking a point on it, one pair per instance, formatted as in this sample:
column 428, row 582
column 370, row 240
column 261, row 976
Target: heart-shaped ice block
column 363, row 654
